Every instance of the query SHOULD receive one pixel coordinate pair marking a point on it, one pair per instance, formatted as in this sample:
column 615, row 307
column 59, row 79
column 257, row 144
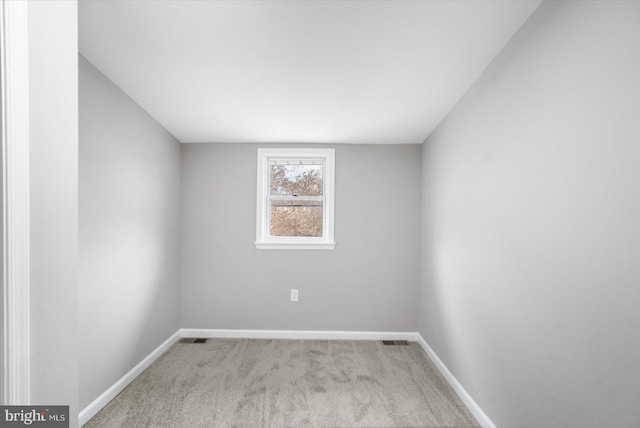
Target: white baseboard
column 297, row 334
column 97, row 404
column 473, row 407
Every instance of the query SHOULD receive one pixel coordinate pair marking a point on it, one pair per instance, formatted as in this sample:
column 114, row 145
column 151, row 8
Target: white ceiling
column 297, row 71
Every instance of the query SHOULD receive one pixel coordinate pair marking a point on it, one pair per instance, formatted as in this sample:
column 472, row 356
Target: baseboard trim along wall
column 296, row 334
column 97, row 404
column 473, row 407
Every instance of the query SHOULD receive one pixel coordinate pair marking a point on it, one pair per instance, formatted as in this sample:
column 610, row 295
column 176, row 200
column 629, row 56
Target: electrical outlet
column 294, row 295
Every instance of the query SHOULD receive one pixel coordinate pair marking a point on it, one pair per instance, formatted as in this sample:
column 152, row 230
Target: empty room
column 321, row 213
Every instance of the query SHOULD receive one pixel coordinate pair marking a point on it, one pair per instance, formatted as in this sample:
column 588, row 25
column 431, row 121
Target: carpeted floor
column 287, row 383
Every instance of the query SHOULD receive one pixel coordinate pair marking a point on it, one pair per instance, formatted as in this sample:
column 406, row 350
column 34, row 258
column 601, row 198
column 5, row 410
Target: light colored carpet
column 288, row 383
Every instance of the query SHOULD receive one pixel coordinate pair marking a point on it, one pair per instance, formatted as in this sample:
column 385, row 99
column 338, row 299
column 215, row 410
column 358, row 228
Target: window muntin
column 295, row 199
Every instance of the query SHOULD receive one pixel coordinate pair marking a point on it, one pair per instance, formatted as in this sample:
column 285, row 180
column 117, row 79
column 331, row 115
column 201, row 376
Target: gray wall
column 128, row 234
column 369, row 282
column 531, row 231
column 53, row 115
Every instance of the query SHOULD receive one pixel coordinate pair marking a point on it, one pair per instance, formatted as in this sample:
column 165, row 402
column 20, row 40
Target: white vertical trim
column 471, row 404
column 261, row 191
column 15, row 200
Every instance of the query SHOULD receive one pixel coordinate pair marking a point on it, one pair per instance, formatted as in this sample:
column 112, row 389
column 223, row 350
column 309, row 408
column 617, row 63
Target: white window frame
column 266, row 242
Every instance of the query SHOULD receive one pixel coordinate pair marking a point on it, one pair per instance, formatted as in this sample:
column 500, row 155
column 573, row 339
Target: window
column 295, row 199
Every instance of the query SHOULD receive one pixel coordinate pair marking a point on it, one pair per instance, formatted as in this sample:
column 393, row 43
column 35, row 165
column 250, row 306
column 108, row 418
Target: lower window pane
column 296, row 220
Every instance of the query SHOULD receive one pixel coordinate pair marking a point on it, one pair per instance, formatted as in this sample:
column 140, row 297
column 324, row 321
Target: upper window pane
column 295, row 178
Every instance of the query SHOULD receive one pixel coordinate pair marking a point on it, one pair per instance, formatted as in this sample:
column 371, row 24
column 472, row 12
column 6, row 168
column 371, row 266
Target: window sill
column 263, row 245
